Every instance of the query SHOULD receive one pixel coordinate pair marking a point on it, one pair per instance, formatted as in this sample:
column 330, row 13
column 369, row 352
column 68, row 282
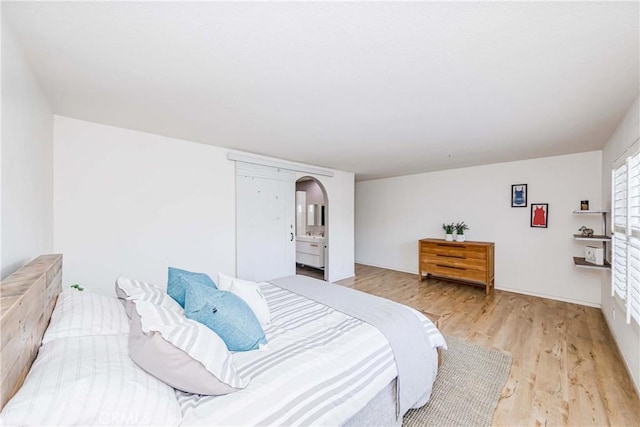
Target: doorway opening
column 312, row 228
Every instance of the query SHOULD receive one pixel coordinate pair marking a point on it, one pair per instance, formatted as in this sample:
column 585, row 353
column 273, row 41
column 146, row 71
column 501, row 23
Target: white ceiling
column 376, row 88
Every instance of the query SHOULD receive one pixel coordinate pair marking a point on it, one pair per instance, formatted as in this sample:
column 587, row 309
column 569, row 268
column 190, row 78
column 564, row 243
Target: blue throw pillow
column 225, row 314
column 180, row 280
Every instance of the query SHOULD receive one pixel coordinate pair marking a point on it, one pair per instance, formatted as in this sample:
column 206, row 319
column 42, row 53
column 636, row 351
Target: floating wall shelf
column 581, row 262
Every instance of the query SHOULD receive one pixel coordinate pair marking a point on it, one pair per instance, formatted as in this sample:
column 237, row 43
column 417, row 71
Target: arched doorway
column 312, row 228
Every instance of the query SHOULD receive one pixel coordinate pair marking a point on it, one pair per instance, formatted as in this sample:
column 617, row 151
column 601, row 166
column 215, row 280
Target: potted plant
column 460, row 227
column 448, row 229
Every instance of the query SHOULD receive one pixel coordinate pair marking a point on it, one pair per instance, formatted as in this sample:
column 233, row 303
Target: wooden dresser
column 468, row 261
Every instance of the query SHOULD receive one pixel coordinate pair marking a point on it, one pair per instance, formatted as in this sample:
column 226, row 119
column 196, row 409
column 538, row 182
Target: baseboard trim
column 636, row 384
column 388, row 267
column 552, row 297
column 332, row 280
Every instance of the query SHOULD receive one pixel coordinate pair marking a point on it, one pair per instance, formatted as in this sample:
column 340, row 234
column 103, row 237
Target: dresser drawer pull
column 314, row 245
column 452, row 256
column 451, row 266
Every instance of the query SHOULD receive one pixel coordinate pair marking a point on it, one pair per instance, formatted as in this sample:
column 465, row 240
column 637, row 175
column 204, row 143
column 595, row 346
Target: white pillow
column 131, row 290
column 83, row 313
column 224, row 282
column 250, row 293
column 90, row 381
column 181, row 352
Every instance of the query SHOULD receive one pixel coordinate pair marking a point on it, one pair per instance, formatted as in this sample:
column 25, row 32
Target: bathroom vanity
column 310, row 251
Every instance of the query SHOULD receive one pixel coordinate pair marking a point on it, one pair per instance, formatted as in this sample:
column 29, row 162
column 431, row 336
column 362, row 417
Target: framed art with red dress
column 539, row 215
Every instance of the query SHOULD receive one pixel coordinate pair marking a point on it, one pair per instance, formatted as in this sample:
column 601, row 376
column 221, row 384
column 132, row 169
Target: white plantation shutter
column 633, row 196
column 619, row 197
column 633, row 206
column 633, row 284
column 625, row 251
column 619, row 266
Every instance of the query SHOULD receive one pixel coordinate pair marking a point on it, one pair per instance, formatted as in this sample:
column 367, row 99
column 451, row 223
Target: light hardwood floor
column 566, row 367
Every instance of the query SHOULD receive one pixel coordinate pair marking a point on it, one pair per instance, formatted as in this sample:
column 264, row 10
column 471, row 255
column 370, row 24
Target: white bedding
column 90, row 380
column 80, row 314
column 321, row 367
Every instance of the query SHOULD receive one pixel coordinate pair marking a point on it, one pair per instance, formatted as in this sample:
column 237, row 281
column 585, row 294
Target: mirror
column 301, row 217
column 311, row 214
column 315, row 215
column 308, row 215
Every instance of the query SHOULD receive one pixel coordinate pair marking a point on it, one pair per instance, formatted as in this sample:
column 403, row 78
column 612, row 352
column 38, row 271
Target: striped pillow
column 131, row 290
column 79, row 314
column 181, row 352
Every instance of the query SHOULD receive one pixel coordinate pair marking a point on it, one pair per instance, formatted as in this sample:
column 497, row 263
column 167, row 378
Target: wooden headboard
column 27, row 298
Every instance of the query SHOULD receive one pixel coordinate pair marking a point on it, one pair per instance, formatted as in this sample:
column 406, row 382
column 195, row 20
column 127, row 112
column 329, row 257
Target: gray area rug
column 467, row 388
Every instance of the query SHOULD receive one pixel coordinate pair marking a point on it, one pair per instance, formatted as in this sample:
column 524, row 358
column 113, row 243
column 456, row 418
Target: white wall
column 392, row 214
column 622, row 143
column 129, row 202
column 27, row 162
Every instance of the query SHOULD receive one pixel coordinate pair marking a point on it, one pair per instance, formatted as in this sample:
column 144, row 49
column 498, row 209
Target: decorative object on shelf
column 594, row 255
column 584, row 205
column 539, row 215
column 448, row 229
column 586, row 232
column 595, row 258
column 460, row 227
column 519, row 196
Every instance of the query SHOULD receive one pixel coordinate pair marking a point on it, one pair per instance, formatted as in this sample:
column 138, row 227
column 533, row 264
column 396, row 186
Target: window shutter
column 633, row 285
column 625, row 251
column 619, row 196
column 619, row 266
column 633, row 200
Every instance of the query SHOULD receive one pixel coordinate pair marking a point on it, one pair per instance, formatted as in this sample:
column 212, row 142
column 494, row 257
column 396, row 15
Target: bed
column 321, row 367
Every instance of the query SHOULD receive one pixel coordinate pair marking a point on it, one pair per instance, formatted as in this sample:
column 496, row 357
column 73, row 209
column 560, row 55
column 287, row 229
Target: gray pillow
column 181, row 352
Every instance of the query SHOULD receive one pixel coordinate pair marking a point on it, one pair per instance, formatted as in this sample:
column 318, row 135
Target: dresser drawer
column 441, row 269
column 454, row 250
column 455, row 261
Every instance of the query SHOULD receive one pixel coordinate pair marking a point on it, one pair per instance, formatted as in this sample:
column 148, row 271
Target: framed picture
column 519, row 196
column 539, row 215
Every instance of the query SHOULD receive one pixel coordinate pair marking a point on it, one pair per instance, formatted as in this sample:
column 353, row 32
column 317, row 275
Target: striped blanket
column 320, row 368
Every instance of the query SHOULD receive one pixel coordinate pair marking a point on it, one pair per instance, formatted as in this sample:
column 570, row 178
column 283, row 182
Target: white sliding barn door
column 265, row 218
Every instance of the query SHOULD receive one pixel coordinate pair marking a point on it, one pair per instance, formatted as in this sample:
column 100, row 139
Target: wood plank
column 566, row 367
column 466, row 242
column 27, row 299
